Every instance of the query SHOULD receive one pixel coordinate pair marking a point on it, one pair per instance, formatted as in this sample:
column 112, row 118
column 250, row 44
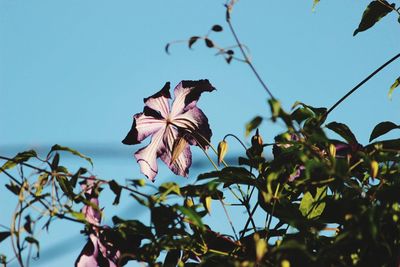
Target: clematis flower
column 172, row 127
column 97, row 251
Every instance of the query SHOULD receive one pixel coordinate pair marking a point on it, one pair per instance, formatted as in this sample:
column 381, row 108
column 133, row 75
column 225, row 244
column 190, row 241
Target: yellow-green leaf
column 314, row 4
column 394, row 86
column 19, row 158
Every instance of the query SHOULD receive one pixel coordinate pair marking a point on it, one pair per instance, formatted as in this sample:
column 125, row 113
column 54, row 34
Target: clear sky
column 74, row 72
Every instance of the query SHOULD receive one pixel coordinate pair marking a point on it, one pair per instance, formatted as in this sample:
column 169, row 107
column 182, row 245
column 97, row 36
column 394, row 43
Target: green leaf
column 231, row 175
column 19, row 158
column 315, row 3
column 74, row 178
column 32, row 240
column 342, row 130
column 382, row 128
column 132, row 226
column 78, row 215
column 253, row 124
column 192, row 216
column 312, row 207
column 65, row 186
column 116, row 188
column 276, row 108
column 373, row 13
column 394, row 86
column 41, row 182
column 72, row 151
column 167, row 188
column 392, row 144
column 4, row 235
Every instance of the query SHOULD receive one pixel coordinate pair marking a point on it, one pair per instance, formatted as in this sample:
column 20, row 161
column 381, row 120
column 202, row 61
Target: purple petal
column 197, row 125
column 89, row 254
column 297, row 173
column 187, row 93
column 181, row 165
column 160, row 100
column 92, row 215
column 144, row 124
column 147, row 156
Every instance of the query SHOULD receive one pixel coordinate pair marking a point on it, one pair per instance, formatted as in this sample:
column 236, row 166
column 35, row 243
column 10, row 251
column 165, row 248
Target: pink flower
column 171, row 126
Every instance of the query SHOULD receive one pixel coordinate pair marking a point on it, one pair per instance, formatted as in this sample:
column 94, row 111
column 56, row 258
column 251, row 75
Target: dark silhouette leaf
column 382, row 128
column 375, row 11
column 116, row 188
column 192, row 40
column 4, row 235
column 342, row 130
column 217, row 28
column 166, row 48
column 209, row 43
column 172, row 258
column 32, row 240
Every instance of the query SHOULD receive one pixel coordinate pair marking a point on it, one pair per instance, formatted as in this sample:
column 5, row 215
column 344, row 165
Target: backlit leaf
column 344, row 131
column 19, row 158
column 253, row 124
column 375, row 11
column 382, row 128
column 394, row 86
column 72, row 151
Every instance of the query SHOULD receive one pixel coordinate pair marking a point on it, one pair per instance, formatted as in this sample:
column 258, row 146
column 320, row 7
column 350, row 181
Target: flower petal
column 196, row 123
column 159, row 101
column 181, row 164
column 88, row 255
column 144, row 124
column 187, row 94
column 92, row 215
column 147, row 156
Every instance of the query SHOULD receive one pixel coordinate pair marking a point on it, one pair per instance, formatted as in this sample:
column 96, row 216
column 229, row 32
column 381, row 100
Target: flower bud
column 256, row 140
column 332, row 150
column 188, row 202
column 222, row 150
column 256, row 144
column 374, row 169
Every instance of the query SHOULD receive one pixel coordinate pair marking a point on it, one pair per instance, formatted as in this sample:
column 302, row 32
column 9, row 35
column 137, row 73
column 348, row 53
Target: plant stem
column 246, row 57
column 359, row 85
column 248, row 220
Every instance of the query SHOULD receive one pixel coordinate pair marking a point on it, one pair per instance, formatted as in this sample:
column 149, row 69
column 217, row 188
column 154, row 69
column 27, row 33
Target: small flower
column 168, row 124
column 97, row 251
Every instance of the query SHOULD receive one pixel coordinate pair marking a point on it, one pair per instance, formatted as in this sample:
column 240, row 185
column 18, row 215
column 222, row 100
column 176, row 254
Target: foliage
column 326, row 201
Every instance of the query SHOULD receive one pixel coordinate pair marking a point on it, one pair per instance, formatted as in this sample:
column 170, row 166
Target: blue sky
column 74, row 72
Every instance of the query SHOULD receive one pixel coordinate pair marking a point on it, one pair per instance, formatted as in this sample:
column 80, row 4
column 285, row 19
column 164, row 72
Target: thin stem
column 273, row 210
column 246, row 57
column 248, row 220
column 359, row 85
column 237, row 138
column 228, row 217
